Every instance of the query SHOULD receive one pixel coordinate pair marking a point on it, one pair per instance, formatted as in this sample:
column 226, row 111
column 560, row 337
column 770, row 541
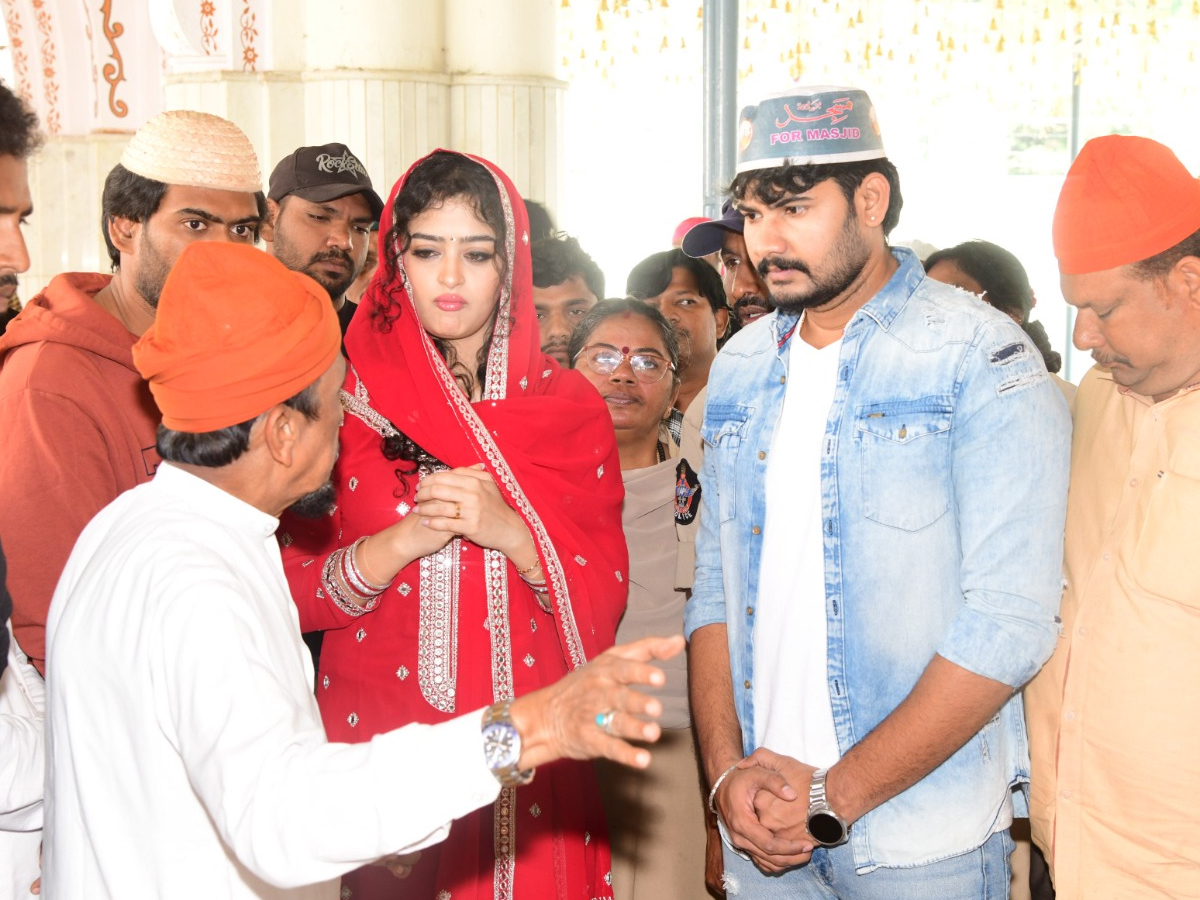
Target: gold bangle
column 533, row 565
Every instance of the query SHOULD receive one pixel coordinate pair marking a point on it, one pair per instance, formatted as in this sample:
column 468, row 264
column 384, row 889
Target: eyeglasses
column 648, row 368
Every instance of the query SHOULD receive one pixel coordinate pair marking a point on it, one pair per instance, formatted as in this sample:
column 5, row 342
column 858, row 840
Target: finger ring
column 457, row 511
column 604, row 721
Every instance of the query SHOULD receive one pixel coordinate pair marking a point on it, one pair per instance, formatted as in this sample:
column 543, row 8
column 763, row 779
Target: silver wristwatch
column 826, row 827
column 502, row 746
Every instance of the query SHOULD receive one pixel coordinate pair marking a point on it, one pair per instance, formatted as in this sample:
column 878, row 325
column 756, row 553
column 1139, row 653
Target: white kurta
column 186, row 756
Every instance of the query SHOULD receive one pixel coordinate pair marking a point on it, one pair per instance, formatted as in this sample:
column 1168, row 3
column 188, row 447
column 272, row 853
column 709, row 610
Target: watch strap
column 510, row 775
column 816, row 790
column 825, row 826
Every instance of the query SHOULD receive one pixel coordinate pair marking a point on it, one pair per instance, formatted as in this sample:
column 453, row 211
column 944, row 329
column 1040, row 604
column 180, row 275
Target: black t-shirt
column 346, row 313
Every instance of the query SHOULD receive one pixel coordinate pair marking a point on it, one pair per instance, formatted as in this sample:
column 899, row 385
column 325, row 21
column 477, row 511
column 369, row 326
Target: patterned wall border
column 45, row 23
column 12, row 20
column 249, row 34
column 208, row 27
column 114, row 71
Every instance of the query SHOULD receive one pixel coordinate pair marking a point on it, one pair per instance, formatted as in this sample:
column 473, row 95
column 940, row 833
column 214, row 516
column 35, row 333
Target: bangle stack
column 344, row 582
column 538, row 586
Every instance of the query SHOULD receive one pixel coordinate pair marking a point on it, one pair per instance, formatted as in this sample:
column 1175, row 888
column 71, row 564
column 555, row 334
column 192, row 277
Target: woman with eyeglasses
column 630, row 353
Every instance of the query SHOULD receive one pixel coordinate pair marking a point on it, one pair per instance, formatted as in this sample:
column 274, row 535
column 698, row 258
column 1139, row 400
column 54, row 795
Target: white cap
column 194, row 149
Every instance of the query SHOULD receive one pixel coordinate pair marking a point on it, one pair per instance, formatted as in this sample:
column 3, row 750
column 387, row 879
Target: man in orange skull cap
column 1114, row 717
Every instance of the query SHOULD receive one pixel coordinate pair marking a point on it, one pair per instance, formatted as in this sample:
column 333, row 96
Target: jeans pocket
column 904, row 448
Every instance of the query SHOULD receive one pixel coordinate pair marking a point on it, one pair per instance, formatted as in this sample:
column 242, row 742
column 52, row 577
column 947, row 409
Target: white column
column 505, row 104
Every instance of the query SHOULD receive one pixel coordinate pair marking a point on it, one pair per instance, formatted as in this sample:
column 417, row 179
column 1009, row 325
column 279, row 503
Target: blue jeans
column 982, row 874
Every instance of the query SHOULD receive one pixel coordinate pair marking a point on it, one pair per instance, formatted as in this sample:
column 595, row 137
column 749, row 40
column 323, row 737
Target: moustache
column 333, row 253
column 779, row 262
column 1108, row 361
column 8, row 279
column 753, row 300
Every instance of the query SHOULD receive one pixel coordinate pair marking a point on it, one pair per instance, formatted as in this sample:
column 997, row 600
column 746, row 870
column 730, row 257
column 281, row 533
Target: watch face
column 826, row 828
column 500, row 746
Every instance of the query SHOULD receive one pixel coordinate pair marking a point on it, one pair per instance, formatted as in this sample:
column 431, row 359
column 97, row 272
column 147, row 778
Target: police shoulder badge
column 687, row 494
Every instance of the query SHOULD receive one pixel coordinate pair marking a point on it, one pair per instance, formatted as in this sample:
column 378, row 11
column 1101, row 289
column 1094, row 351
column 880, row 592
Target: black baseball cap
column 707, row 237
column 328, row 172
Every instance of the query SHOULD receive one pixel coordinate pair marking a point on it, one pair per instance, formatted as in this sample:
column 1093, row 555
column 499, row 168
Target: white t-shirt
column 792, row 712
column 185, row 754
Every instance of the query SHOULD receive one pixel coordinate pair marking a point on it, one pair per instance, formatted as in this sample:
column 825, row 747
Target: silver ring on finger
column 604, row 721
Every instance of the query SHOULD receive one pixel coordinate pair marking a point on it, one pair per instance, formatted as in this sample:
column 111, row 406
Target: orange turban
column 1125, row 199
column 236, row 332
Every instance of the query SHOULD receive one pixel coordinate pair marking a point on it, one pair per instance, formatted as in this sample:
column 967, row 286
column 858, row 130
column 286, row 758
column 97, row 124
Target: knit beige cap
column 194, row 149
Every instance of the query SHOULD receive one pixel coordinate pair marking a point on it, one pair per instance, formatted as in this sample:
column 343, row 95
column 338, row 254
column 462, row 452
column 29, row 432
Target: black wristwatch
column 502, row 746
column 826, row 827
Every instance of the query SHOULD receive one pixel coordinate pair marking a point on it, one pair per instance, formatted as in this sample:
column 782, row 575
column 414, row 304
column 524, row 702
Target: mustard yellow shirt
column 1114, row 717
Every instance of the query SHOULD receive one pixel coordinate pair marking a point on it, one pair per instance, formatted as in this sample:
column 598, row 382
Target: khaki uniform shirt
column 1114, row 717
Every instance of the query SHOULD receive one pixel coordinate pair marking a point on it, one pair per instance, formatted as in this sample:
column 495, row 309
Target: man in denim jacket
column 879, row 561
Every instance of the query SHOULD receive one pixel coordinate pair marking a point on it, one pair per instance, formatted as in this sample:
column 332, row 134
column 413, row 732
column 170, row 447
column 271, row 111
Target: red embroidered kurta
column 459, row 629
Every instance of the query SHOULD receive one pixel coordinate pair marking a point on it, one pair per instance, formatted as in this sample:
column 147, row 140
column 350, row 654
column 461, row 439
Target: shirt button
column 756, row 530
column 1066, row 795
column 749, row 610
column 1083, row 631
column 1069, row 715
column 783, row 380
column 747, row 683
column 1133, row 482
column 1107, row 555
column 762, row 454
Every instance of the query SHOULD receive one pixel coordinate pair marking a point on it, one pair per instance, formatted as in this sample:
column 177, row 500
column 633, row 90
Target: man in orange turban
column 186, row 753
column 1114, row 717
column 77, row 419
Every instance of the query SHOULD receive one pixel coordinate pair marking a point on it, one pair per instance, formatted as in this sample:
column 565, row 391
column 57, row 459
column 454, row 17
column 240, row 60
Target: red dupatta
column 542, row 432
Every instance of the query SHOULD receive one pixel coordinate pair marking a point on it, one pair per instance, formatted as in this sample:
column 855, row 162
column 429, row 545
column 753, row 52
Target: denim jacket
column 943, row 497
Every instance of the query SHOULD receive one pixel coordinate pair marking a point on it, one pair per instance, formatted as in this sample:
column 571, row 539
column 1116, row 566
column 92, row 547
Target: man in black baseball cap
column 743, row 288
column 321, row 207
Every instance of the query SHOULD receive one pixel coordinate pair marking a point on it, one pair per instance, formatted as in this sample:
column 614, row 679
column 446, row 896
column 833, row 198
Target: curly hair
column 19, row 134
column 772, row 185
column 443, row 176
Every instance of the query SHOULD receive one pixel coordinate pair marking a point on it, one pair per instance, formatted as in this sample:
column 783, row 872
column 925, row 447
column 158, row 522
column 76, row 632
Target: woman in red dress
column 475, row 550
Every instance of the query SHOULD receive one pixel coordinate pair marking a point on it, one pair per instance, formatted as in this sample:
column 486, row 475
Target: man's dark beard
column 316, row 504
column 335, row 288
column 152, row 274
column 849, row 256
